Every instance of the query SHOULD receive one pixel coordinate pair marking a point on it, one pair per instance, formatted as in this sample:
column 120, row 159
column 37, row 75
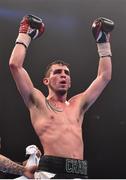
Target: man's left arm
column 101, row 29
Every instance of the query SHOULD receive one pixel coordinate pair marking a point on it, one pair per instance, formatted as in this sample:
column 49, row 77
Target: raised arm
column 31, row 27
column 101, row 29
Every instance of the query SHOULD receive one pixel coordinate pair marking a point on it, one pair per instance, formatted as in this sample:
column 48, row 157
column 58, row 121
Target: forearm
column 17, row 56
column 8, row 166
column 19, row 51
column 105, row 68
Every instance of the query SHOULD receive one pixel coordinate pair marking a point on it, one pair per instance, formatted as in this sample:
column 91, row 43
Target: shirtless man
column 57, row 120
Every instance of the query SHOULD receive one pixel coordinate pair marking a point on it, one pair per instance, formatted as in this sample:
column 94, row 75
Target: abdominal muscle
column 61, row 139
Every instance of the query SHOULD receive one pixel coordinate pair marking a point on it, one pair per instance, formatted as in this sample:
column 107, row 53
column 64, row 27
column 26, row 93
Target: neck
column 56, row 103
column 55, row 97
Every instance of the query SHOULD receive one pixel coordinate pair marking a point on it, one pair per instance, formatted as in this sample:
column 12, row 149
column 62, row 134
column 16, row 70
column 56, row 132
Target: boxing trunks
column 51, row 167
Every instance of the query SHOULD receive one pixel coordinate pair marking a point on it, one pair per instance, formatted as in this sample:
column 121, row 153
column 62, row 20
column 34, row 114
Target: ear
column 45, row 81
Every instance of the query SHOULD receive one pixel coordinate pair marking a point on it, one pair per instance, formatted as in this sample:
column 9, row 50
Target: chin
column 62, row 92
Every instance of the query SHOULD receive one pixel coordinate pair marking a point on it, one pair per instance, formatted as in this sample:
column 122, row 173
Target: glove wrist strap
column 104, row 49
column 24, row 39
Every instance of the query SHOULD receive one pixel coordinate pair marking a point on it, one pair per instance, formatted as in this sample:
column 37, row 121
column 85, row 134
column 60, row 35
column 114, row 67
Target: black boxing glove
column 31, row 27
column 101, row 29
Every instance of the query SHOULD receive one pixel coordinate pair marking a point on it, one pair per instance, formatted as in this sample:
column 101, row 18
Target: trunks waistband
column 63, row 165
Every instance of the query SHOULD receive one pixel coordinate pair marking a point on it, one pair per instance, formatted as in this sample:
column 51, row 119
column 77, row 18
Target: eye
column 57, row 71
column 67, row 72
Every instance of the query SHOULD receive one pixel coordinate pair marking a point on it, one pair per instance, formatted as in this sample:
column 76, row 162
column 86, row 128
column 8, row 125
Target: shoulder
column 36, row 97
column 79, row 101
column 77, row 97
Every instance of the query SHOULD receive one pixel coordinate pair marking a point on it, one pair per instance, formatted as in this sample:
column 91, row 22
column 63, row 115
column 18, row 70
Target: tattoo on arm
column 8, row 166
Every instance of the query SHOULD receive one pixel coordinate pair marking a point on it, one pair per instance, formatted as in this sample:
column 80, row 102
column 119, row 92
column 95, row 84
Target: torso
column 60, row 133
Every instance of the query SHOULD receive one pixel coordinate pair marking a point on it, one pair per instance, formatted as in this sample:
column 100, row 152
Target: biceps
column 93, row 92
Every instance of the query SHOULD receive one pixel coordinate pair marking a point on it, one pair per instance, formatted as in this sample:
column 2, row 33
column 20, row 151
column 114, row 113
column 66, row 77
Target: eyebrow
column 60, row 70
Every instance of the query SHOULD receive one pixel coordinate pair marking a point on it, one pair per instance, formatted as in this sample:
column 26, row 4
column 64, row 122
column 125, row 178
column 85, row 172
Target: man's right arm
column 31, row 27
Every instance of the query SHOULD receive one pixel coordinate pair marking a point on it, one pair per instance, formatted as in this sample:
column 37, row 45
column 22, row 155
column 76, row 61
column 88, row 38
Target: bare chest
column 52, row 118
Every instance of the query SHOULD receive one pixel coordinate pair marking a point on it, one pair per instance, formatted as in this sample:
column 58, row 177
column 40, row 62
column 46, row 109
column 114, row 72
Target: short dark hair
column 61, row 62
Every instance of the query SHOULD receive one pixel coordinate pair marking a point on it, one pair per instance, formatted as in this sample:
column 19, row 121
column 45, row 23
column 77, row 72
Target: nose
column 63, row 75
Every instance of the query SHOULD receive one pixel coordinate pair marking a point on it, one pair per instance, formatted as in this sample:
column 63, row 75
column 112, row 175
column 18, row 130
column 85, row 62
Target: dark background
column 67, row 36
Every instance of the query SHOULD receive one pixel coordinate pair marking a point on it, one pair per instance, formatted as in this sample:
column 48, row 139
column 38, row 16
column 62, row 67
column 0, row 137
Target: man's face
column 59, row 78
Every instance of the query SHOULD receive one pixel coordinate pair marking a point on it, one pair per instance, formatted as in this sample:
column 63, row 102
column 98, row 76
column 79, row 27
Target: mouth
column 63, row 82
